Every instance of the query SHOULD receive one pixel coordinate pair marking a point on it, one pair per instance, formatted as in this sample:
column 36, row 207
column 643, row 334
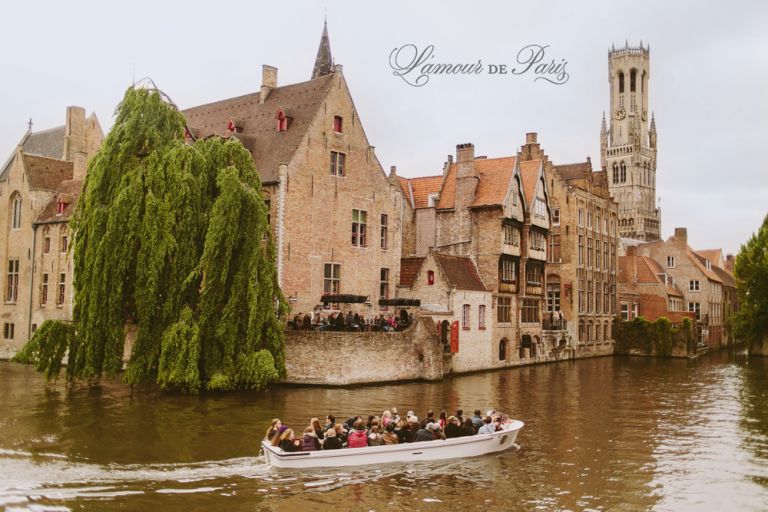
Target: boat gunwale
column 514, row 426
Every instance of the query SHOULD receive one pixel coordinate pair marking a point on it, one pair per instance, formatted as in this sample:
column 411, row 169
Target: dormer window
column 430, row 277
column 432, row 200
column 282, row 121
column 235, row 126
column 61, row 205
column 338, row 124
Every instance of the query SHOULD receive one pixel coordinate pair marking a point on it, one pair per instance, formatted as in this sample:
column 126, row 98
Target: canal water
column 618, row 434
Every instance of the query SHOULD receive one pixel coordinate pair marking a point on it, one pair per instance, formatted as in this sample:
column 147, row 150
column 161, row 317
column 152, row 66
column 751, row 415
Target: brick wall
column 341, row 358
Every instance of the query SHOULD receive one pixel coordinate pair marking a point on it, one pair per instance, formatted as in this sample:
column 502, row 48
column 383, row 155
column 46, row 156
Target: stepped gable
column 258, row 126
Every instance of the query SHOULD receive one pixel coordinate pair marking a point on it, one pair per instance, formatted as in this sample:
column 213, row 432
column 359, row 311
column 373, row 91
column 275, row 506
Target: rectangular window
column 504, row 310
column 359, row 222
column 534, row 273
column 670, row 262
column 63, row 243
column 605, row 255
column 465, row 316
column 589, row 219
column 605, row 298
column 635, row 312
column 553, row 297
column 8, row 330
column 338, row 124
column 538, row 241
column 581, row 250
column 331, row 279
column 695, row 307
column 582, row 295
column 62, row 286
column 589, row 252
column 481, row 316
column 384, row 230
column 511, row 235
column 590, row 303
column 625, row 311
column 384, row 284
column 529, row 313
column 338, row 163
column 44, row 290
column 556, row 216
column 693, row 285
column 581, row 218
column 597, row 255
column 47, row 244
column 598, row 297
column 12, row 286
column 553, row 256
column 507, row 271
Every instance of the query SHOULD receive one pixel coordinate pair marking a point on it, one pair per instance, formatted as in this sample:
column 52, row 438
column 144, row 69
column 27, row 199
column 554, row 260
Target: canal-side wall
column 759, row 348
column 343, row 358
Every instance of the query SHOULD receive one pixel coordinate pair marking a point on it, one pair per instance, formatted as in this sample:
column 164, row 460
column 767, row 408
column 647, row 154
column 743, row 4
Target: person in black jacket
column 468, row 429
column 453, row 428
column 332, row 441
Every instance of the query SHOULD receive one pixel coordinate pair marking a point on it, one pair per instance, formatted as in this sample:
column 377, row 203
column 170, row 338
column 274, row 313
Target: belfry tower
column 628, row 144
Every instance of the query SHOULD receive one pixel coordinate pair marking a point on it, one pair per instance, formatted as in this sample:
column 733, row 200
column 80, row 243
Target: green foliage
column 174, row 238
column 751, row 272
column 48, row 346
column 659, row 338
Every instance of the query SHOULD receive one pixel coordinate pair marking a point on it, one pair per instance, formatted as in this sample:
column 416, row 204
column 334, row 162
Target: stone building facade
column 628, row 144
column 694, row 275
column 582, row 257
column 39, row 185
column 335, row 216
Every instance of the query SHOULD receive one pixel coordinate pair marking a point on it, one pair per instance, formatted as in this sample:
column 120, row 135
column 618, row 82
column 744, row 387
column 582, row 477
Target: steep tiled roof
column 648, row 271
column 460, row 272
column 409, row 268
column 422, row 187
column 725, row 276
column 269, row 147
column 699, row 262
column 47, row 173
column 405, row 189
column 715, row 256
column 49, row 143
column 530, row 171
column 68, row 190
column 573, row 171
column 495, row 175
column 656, row 269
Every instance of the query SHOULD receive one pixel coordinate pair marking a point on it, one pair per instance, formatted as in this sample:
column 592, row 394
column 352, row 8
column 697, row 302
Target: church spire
column 324, row 60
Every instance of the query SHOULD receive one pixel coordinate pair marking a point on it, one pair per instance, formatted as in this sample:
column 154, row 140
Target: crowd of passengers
column 390, row 428
column 318, row 320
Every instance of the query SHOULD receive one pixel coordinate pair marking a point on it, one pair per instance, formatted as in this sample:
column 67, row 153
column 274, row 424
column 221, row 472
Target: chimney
column 75, row 149
column 465, row 152
column 393, row 170
column 268, row 81
column 729, row 262
column 530, row 138
column 466, row 177
column 681, row 235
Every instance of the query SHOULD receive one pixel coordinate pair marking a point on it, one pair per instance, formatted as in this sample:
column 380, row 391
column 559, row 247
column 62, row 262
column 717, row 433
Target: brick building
column 583, row 246
column 39, row 185
column 335, row 216
column 694, row 275
column 646, row 290
column 723, row 267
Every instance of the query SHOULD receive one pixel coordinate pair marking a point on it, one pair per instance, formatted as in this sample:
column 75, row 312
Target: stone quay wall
column 343, row 358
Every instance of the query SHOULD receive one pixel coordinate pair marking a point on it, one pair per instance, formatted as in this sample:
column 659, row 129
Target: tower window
column 338, row 124
column 16, row 213
column 621, row 82
column 623, row 177
column 632, row 80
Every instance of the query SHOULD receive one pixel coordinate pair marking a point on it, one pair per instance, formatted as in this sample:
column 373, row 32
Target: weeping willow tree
column 172, row 239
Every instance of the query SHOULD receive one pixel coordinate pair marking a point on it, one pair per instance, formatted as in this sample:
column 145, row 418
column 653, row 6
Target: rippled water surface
column 620, row 434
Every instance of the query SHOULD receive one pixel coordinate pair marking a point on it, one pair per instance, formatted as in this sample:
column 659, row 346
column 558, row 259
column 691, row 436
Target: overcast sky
column 708, row 80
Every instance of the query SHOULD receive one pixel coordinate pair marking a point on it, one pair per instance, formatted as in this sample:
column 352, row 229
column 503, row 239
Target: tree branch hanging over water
column 174, row 238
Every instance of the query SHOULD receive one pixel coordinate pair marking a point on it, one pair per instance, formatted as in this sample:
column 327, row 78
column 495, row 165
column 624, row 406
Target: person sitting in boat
column 349, row 423
column 443, row 418
column 331, row 441
column 330, row 422
column 357, row 438
column 429, row 419
column 402, row 431
column 374, row 438
column 273, row 429
column 489, row 427
column 477, row 420
column 287, row 441
column 341, row 433
column 413, row 427
column 460, row 416
column 386, row 417
column 319, row 431
column 437, row 432
column 423, row 435
column 453, row 428
column 310, row 442
column 468, row 428
column 389, row 436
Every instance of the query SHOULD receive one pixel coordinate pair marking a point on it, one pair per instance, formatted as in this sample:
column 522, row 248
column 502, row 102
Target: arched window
column 621, row 81
column 623, row 173
column 581, row 330
column 632, row 80
column 615, row 172
column 503, row 349
column 16, row 211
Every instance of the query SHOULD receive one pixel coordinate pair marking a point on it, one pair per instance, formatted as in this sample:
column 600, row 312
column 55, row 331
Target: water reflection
column 609, row 433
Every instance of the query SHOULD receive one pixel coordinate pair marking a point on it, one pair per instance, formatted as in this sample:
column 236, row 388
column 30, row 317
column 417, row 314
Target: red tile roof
column 422, row 188
column 495, row 176
column 573, row 171
column 269, row 147
column 405, row 189
column 460, row 272
column 69, row 191
column 698, row 261
column 47, row 173
column 409, row 269
column 715, row 256
column 530, row 172
column 648, row 271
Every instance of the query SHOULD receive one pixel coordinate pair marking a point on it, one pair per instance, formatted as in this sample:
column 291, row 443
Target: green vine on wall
column 172, row 237
column 660, row 337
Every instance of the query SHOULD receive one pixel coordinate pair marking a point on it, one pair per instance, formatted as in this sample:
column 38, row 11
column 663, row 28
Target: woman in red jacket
column 357, row 438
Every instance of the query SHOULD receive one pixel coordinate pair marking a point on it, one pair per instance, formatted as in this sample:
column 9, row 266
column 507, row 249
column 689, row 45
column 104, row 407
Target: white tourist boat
column 457, row 447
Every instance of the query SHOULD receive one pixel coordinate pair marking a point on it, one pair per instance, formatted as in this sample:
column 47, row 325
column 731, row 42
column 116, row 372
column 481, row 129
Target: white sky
column 708, row 81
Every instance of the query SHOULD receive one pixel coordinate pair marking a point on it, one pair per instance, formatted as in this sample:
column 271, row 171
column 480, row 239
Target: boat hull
column 459, row 447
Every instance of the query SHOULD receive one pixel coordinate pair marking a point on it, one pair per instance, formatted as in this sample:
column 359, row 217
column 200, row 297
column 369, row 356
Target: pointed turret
column 652, row 131
column 324, row 60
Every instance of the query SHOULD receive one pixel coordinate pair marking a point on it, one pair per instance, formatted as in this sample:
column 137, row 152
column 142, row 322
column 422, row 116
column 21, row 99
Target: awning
column 343, row 299
column 399, row 302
